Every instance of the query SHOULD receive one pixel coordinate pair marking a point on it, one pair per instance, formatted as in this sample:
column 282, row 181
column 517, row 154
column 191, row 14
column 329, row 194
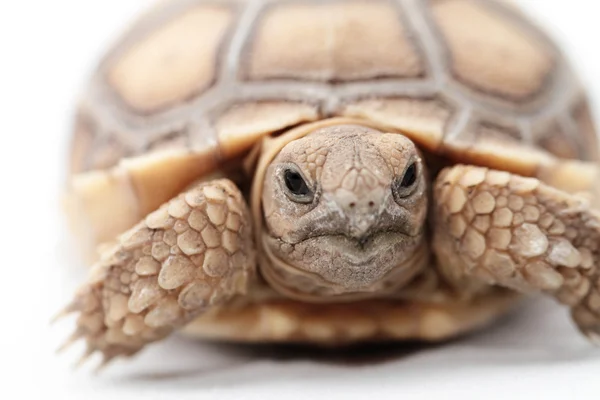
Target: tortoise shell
column 193, row 85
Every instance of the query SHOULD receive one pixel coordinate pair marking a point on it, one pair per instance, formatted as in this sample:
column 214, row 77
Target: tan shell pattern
column 212, row 77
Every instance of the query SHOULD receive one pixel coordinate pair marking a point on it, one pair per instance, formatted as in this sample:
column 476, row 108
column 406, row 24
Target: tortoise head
column 344, row 210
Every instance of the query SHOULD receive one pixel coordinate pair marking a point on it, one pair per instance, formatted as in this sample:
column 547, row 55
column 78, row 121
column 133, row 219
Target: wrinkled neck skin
column 340, row 209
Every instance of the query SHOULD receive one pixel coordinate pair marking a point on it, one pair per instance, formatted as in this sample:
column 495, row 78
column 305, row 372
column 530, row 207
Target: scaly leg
column 496, row 228
column 194, row 252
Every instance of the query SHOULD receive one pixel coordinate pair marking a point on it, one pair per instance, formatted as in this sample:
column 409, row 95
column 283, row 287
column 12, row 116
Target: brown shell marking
column 585, row 127
column 492, row 53
column 423, row 118
column 81, row 143
column 177, row 61
column 332, row 42
column 558, row 142
column 242, row 125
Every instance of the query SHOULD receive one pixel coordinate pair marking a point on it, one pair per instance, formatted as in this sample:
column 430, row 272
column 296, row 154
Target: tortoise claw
column 593, row 337
column 77, row 335
column 89, row 352
column 65, row 312
column 106, row 361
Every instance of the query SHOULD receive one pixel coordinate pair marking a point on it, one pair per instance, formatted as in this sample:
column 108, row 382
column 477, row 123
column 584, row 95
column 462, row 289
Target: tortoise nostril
column 371, row 204
column 352, row 205
column 363, row 241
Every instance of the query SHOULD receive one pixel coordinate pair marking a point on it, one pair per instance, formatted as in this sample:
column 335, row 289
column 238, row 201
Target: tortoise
column 330, row 173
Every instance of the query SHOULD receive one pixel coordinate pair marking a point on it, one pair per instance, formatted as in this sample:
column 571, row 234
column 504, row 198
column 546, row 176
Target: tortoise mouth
column 368, row 259
column 336, row 265
column 358, row 252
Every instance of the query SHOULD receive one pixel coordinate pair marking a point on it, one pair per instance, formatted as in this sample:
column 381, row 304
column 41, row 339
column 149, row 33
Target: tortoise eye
column 410, row 177
column 296, row 186
column 406, row 186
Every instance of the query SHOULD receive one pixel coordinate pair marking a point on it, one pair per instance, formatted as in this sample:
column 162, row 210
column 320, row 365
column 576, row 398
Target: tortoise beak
column 361, row 211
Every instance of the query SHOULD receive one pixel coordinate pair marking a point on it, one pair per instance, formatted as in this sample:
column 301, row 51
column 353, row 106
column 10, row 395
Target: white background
column 47, row 48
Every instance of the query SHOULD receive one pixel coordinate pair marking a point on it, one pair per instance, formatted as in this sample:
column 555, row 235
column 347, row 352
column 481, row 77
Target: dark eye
column 296, row 185
column 406, row 186
column 410, row 177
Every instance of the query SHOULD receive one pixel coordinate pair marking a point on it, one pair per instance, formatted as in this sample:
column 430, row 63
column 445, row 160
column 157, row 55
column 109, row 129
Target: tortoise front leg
column 193, row 253
column 496, row 228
